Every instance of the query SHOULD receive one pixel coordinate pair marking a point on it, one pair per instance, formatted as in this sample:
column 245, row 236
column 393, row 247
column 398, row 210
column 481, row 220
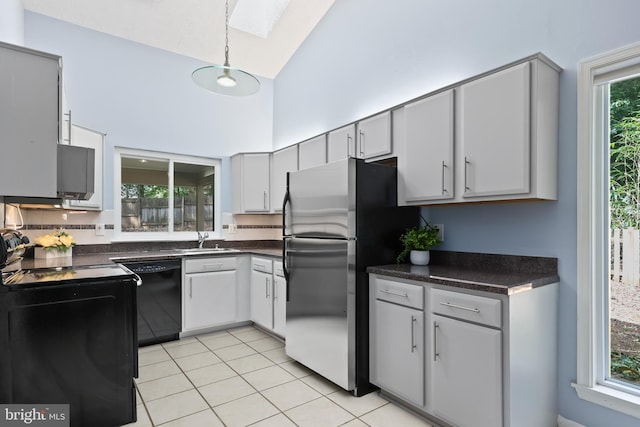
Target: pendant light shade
column 224, row 79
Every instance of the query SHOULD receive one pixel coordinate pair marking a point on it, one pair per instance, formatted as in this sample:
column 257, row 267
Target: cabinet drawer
column 400, row 293
column 262, row 264
column 486, row 311
column 200, row 265
column 277, row 268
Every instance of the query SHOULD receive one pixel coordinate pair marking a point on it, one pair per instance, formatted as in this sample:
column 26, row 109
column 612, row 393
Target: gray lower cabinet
column 466, row 357
column 466, row 367
column 209, row 293
column 397, row 339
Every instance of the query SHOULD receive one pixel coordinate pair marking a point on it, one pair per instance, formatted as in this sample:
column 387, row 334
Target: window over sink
column 165, row 196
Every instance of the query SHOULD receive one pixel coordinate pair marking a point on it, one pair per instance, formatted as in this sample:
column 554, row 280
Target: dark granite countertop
column 500, row 274
column 107, row 258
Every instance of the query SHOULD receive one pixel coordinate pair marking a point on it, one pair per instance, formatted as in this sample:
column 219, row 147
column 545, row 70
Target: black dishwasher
column 159, row 300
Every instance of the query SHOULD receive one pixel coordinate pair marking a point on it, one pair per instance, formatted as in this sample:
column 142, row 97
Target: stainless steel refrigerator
column 339, row 218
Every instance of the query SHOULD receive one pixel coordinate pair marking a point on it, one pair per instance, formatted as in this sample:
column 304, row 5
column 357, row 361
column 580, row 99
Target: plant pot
column 41, row 253
column 419, row 257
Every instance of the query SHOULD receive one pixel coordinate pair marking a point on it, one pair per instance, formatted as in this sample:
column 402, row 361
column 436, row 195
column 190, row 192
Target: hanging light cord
column 226, row 34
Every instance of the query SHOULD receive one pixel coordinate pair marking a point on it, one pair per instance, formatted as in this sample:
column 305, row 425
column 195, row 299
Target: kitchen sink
column 205, row 250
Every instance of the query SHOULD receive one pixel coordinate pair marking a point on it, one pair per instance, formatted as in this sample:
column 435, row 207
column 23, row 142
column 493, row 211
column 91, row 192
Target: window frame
column 593, row 234
column 130, row 236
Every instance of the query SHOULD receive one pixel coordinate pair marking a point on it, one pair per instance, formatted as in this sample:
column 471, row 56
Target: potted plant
column 417, row 241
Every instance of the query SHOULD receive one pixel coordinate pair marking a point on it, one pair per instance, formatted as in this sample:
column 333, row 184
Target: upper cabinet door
column 30, row 119
column 495, row 133
column 312, row 152
column 282, row 161
column 426, row 168
column 341, row 143
column 374, row 136
column 250, row 179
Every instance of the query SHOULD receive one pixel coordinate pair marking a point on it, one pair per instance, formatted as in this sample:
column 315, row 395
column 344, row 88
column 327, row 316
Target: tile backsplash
column 84, row 225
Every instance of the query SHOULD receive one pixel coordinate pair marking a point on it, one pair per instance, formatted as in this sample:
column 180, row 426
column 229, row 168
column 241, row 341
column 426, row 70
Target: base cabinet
column 262, row 299
column 268, row 295
column 279, row 299
column 479, row 359
column 398, row 365
column 466, row 368
column 209, row 293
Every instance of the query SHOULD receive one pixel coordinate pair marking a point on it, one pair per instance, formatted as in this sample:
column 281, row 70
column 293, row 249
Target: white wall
column 366, row 56
column 143, row 97
column 12, row 22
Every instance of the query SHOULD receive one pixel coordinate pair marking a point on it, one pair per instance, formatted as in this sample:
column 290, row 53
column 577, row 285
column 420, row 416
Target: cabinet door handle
column 466, row 183
column 349, row 146
column 398, row 294
column 190, row 287
column 435, row 341
column 264, row 199
column 275, row 291
column 361, row 144
column 69, row 126
column 211, row 266
column 266, row 287
column 444, row 190
column 461, row 307
column 413, row 339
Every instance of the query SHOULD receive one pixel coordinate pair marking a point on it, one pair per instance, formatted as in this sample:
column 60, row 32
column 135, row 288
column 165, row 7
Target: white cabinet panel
column 250, row 182
column 279, row 305
column 312, row 152
column 282, row 161
column 495, row 133
column 209, row 299
column 341, row 143
column 426, row 167
column 30, row 116
column 397, row 361
column 262, row 299
column 374, row 136
column 466, row 373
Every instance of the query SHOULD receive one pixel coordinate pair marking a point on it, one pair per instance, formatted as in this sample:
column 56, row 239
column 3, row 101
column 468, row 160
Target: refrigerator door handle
column 285, row 202
column 285, row 270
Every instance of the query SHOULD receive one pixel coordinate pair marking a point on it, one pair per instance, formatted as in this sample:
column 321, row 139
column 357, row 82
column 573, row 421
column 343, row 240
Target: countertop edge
column 109, row 258
column 518, row 286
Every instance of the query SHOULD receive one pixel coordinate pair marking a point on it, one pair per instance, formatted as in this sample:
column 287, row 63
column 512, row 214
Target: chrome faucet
column 201, row 238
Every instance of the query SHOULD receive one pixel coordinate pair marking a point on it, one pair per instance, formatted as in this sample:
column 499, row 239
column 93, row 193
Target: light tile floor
column 243, row 377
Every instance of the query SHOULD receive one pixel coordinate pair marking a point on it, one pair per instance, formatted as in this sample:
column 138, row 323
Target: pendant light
column 224, row 79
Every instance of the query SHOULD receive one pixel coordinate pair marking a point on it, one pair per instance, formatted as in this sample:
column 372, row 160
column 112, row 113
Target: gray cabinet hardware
column 461, row 307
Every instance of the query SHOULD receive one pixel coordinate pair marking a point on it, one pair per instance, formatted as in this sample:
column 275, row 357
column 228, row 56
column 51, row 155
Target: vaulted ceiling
column 196, row 28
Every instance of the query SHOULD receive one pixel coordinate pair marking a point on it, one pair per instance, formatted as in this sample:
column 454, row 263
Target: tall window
column 165, row 196
column 623, row 105
column 608, row 353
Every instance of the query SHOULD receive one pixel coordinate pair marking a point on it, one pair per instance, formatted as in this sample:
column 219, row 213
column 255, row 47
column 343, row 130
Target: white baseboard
column 563, row 422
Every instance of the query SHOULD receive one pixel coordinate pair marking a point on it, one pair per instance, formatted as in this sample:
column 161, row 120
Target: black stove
column 69, row 335
column 51, row 276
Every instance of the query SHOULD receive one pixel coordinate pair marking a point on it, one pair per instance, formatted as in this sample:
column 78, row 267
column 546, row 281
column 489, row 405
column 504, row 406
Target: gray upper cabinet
column 495, row 125
column 341, row 143
column 425, row 167
column 374, row 136
column 282, row 161
column 250, row 182
column 30, row 114
column 312, row 152
column 507, row 134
